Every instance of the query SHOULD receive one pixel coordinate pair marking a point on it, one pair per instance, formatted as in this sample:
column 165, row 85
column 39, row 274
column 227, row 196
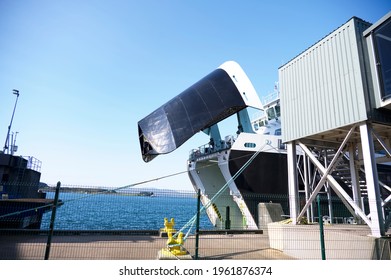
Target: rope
column 27, row 210
column 136, row 184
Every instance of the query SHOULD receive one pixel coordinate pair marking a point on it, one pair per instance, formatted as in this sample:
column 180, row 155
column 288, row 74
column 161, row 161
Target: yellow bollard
column 174, row 245
column 169, row 225
column 174, row 249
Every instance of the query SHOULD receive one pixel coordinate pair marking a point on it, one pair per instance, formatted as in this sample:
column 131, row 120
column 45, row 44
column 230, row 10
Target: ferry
column 227, row 171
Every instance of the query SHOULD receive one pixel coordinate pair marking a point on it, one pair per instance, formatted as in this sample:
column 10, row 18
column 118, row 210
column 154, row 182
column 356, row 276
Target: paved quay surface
column 133, row 247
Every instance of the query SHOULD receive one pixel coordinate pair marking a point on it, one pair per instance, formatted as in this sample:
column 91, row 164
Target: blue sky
column 88, row 71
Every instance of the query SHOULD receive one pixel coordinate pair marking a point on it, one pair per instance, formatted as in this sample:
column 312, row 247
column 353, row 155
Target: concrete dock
column 134, row 247
column 282, row 242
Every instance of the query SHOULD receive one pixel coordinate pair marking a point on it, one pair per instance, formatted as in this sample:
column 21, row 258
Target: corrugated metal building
column 336, row 109
column 329, row 85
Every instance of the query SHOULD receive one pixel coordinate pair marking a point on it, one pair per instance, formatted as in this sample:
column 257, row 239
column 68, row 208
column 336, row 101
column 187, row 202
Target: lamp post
column 16, row 92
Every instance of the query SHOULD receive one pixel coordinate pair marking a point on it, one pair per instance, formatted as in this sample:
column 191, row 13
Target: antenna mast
column 16, row 92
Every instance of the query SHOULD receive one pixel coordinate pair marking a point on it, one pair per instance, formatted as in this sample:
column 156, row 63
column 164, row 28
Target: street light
column 16, row 92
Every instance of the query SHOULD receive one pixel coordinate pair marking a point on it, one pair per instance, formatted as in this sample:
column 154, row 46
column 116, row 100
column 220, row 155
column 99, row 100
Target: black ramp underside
column 210, row 100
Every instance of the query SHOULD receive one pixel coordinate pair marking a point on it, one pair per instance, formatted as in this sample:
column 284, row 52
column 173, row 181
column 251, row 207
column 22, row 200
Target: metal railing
column 209, row 148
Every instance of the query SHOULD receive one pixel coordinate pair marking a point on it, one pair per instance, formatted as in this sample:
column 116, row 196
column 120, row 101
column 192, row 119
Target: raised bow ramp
column 224, row 92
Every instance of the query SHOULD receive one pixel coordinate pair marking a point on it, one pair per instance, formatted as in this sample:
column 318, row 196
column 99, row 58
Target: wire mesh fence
column 129, row 223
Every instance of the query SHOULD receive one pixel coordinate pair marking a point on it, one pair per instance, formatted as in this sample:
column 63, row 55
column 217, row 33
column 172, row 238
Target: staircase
column 341, row 171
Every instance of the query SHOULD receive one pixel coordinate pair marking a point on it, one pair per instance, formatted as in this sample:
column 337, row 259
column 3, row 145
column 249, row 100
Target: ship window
column 277, row 132
column 250, row 145
column 271, row 114
column 382, row 42
column 262, row 123
column 278, row 114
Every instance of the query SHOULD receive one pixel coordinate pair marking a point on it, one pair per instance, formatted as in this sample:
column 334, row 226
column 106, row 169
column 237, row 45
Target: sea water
column 86, row 211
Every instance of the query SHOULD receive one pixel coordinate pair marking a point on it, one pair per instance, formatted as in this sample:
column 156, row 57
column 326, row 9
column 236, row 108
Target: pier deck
column 134, row 247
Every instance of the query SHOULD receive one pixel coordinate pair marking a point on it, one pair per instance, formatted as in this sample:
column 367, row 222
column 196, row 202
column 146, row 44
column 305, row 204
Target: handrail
column 207, row 149
column 33, row 163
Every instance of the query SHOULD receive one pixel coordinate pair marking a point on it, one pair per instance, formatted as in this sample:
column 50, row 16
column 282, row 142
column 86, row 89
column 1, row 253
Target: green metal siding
column 324, row 87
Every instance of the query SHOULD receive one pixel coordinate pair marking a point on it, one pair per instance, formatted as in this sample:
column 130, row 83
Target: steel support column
column 354, row 176
column 328, row 191
column 374, row 197
column 292, row 182
column 307, row 184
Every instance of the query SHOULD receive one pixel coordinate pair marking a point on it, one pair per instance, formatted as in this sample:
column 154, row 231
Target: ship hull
column 234, row 181
column 21, row 203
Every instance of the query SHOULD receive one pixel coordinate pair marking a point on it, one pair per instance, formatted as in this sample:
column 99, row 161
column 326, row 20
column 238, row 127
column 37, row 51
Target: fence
column 103, row 223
